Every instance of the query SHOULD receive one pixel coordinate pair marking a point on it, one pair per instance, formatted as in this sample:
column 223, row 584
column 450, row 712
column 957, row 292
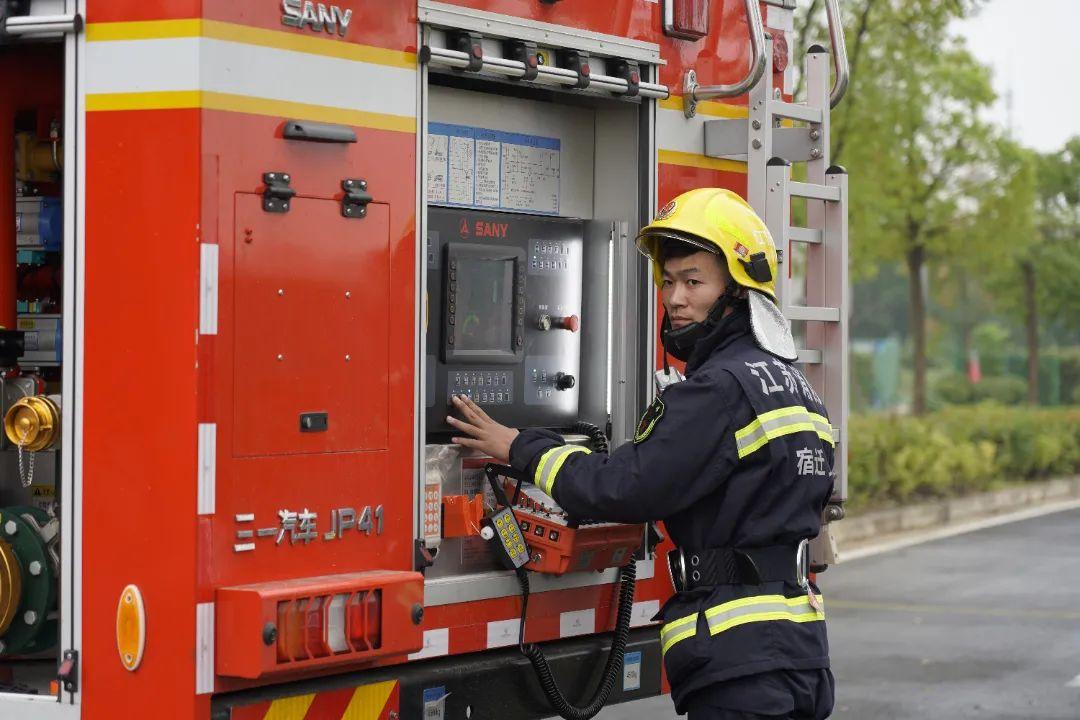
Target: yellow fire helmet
column 716, row 220
column 720, row 221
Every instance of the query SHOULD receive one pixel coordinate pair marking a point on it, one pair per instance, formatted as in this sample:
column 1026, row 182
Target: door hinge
column 68, row 673
column 354, row 203
column 278, row 194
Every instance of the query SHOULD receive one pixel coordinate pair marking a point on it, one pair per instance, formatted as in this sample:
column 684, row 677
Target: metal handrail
column 838, row 48
column 29, row 25
column 695, row 93
column 547, row 74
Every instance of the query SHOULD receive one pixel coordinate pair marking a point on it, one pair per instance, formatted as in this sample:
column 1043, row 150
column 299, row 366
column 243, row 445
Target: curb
column 853, row 532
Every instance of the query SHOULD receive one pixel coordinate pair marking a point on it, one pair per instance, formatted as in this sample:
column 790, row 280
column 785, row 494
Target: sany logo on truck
column 304, row 13
column 484, row 229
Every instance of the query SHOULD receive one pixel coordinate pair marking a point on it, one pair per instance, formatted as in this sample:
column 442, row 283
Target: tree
column 911, row 135
column 1038, row 276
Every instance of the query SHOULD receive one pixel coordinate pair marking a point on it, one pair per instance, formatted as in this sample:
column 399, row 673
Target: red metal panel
column 139, row 407
column 635, row 19
column 311, row 291
column 135, row 10
column 237, row 150
column 386, row 23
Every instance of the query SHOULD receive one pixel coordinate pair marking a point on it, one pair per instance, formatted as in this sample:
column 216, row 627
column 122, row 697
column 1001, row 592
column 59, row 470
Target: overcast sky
column 1032, row 47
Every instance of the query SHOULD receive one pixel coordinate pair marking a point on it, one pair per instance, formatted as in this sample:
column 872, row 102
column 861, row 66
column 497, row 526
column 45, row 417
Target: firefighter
column 736, row 459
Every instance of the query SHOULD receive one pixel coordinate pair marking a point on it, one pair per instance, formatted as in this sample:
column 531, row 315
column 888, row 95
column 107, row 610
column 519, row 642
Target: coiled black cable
column 596, row 436
column 627, row 576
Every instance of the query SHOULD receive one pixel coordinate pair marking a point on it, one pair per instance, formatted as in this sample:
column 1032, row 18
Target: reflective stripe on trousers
column 779, row 422
column 725, row 616
column 550, row 464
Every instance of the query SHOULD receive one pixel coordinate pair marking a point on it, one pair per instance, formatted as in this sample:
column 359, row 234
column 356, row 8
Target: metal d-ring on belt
column 692, row 569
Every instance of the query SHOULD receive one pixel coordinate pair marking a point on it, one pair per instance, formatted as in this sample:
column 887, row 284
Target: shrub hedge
column 957, row 450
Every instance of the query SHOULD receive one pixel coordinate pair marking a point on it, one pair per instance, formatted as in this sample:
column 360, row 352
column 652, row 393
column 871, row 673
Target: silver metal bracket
column 690, row 84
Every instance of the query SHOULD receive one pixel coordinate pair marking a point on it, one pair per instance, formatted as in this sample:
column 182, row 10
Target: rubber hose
column 535, row 654
column 597, row 438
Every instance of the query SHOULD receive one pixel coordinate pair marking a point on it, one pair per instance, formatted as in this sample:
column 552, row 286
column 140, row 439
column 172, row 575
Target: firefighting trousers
column 775, row 695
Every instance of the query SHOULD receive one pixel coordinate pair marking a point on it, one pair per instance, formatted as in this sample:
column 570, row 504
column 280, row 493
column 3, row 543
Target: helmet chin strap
column 679, row 343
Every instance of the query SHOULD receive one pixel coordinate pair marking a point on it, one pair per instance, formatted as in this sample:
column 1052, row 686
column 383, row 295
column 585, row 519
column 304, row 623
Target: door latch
column 68, row 673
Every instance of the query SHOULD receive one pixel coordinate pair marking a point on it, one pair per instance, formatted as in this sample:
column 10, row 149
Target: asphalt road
column 984, row 625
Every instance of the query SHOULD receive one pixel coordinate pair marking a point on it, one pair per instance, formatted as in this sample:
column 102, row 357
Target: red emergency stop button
column 570, row 322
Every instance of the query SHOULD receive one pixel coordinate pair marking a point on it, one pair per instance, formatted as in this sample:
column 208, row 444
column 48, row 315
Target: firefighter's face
column 692, row 285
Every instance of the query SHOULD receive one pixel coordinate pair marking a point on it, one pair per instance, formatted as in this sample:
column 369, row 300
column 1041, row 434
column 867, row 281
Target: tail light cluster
column 297, row 624
column 315, row 627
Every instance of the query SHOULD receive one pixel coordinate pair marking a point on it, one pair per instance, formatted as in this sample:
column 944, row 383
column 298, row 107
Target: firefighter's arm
column 683, row 450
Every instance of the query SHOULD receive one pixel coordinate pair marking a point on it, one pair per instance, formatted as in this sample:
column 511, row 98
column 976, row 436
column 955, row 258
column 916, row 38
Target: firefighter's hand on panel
column 484, row 434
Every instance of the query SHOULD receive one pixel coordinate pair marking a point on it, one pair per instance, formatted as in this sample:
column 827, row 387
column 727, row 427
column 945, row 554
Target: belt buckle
column 802, row 564
column 676, row 562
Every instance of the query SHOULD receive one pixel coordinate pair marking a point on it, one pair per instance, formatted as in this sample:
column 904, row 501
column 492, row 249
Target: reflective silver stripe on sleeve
column 550, row 464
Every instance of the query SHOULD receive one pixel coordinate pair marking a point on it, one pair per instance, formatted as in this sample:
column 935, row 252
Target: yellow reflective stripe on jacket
column 757, row 608
column 782, row 421
column 550, row 464
column 677, row 630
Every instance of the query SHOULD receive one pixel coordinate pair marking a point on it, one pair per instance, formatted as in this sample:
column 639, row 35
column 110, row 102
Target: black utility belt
column 692, row 569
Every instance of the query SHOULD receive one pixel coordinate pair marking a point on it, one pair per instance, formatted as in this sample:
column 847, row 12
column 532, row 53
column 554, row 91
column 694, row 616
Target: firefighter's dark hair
column 672, row 249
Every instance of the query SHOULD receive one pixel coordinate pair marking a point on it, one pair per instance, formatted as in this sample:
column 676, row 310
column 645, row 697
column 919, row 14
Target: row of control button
column 488, row 379
column 551, row 247
column 550, row 265
column 539, row 530
column 483, row 397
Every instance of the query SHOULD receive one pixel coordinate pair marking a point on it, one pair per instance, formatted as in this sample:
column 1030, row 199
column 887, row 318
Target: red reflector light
column 290, row 645
column 365, row 620
column 687, row 19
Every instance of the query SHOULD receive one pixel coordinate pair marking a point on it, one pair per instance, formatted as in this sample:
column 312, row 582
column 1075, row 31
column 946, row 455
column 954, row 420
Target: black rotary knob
column 564, row 381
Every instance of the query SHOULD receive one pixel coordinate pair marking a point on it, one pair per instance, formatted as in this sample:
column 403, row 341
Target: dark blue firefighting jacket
column 739, row 455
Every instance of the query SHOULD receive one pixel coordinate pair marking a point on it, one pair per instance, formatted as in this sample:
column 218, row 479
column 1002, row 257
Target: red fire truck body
column 243, row 483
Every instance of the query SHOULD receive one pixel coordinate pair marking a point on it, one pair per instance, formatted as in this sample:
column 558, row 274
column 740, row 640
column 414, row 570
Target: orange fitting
column 461, row 515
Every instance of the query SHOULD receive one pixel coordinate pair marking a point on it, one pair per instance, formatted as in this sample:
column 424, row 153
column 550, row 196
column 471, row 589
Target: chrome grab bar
column 694, row 93
column 838, row 49
column 31, row 25
column 545, row 74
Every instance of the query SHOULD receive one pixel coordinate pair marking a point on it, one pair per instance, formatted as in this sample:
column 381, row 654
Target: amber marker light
column 131, row 627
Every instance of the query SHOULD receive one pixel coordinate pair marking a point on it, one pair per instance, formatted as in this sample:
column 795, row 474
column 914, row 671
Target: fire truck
column 248, row 251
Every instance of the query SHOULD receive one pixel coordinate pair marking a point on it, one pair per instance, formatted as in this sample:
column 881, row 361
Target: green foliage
column 952, row 388
column 1003, row 389
column 1069, row 359
column 899, row 459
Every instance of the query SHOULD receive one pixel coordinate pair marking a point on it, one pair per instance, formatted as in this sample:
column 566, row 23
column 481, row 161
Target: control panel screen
column 484, row 317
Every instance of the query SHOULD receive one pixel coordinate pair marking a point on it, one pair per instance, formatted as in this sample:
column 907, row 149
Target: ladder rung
column 819, row 314
column 809, row 357
column 805, row 235
column 795, row 111
column 814, row 192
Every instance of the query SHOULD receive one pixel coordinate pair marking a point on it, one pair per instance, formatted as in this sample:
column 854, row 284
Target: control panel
column 504, row 328
column 484, row 387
